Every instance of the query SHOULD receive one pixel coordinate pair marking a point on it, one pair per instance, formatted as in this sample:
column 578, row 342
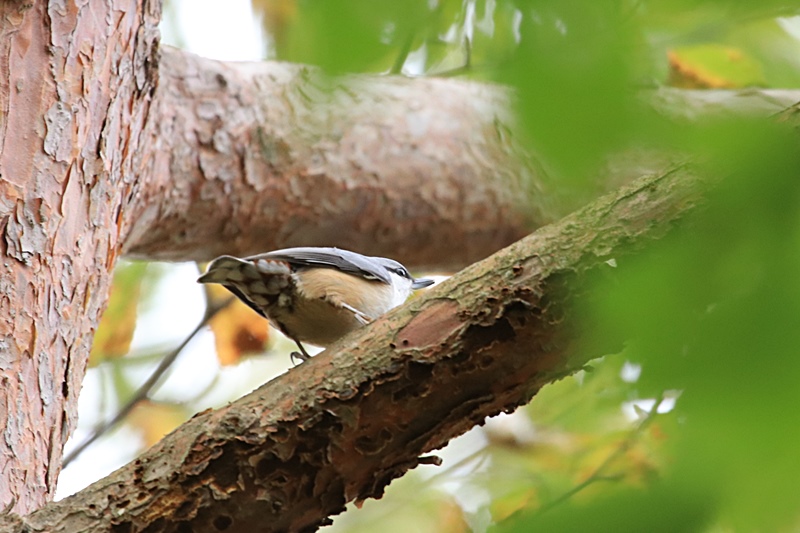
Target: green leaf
column 353, row 35
column 713, row 309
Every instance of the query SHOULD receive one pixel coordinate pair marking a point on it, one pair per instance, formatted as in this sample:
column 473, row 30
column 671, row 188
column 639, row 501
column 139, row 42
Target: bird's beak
column 421, row 283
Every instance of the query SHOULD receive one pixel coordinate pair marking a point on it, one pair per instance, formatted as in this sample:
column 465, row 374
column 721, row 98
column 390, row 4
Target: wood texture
column 75, row 87
column 342, row 426
column 106, row 149
column 250, row 157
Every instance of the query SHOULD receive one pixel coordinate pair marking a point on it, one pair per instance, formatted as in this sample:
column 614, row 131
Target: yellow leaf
column 156, row 419
column 114, row 333
column 713, row 66
column 238, row 330
column 451, row 518
column 277, row 17
column 508, row 504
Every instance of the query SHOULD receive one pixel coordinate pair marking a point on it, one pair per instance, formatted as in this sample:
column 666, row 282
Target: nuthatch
column 315, row 295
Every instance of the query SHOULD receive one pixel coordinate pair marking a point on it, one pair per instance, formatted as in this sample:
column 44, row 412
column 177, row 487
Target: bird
column 315, row 294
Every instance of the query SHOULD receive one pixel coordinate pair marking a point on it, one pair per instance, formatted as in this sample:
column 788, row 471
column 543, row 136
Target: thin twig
column 598, row 475
column 147, row 387
column 143, row 356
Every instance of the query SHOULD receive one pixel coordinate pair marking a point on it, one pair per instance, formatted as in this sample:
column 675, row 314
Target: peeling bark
column 74, row 92
column 342, row 426
column 249, row 157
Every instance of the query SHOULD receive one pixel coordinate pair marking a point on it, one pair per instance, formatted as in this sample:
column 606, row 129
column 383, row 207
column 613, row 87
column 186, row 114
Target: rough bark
column 342, row 426
column 95, row 160
column 75, row 84
column 249, row 157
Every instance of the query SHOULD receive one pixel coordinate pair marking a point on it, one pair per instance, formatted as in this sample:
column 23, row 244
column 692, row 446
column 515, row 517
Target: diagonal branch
column 342, row 426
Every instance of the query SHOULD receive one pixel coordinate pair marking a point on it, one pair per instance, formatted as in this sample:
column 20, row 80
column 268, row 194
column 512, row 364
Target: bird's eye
column 402, row 272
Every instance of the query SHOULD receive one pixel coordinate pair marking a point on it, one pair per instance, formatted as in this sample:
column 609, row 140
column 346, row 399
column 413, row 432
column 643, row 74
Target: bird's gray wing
column 346, row 261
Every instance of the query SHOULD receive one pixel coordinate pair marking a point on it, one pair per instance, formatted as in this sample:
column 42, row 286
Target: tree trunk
column 75, row 92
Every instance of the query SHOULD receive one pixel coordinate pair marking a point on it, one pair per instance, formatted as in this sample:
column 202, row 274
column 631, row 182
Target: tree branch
column 342, row 426
column 248, row 157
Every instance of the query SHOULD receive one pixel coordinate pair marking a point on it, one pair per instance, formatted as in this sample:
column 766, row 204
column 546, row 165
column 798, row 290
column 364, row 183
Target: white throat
column 401, row 288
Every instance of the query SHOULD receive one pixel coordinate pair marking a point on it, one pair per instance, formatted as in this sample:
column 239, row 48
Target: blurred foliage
column 712, row 310
column 719, row 321
column 115, row 331
column 156, row 419
column 576, row 66
column 238, row 330
column 713, row 66
column 277, row 16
